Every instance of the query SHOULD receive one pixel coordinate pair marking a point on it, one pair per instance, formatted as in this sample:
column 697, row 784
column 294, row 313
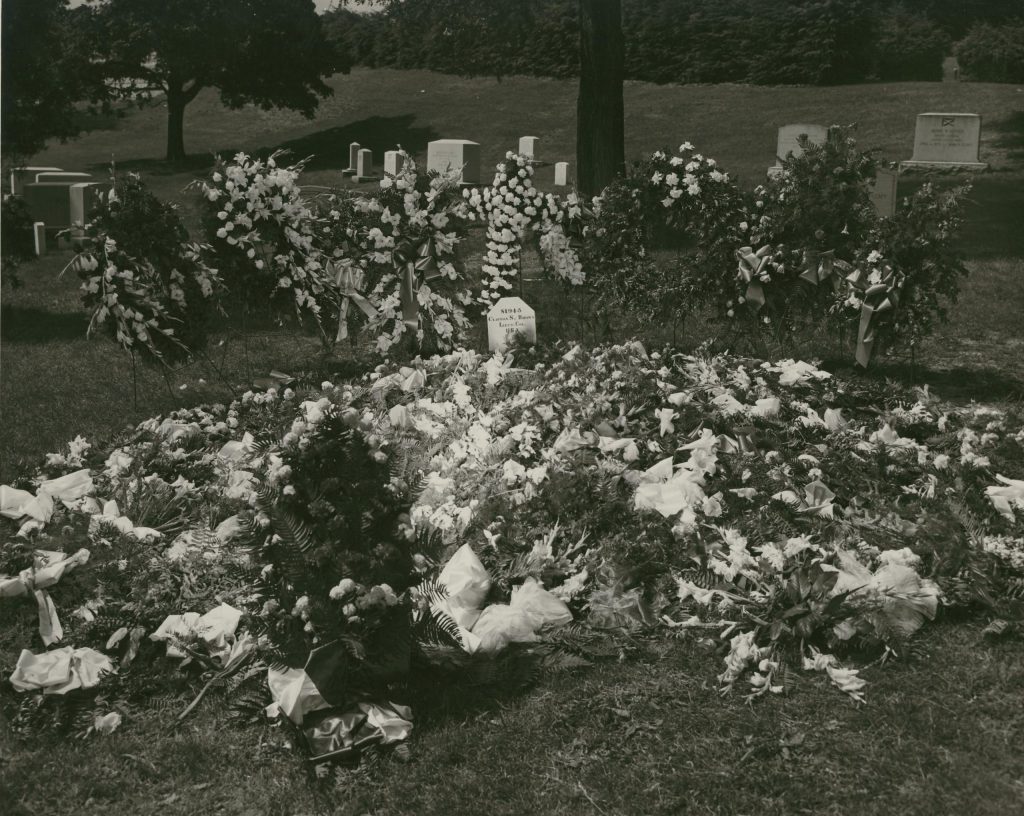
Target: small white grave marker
column 353, row 156
column 364, row 166
column 561, row 174
column 947, row 140
column 509, row 317
column 392, row 162
column 451, row 154
column 883, row 192
column 528, row 146
column 39, row 237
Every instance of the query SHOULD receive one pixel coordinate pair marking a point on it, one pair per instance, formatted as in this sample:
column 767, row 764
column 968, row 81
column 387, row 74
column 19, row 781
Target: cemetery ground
column 645, row 734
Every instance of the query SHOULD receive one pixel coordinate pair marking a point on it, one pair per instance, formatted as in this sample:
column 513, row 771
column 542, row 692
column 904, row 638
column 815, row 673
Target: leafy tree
column 46, row 71
column 272, row 53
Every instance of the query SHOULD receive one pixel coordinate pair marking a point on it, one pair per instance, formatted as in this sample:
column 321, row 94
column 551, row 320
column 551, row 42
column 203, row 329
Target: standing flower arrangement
column 265, row 230
column 398, row 250
column 142, row 279
column 513, row 208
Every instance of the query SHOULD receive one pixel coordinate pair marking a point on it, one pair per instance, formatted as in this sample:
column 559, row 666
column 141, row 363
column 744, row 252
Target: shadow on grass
column 957, row 384
column 30, row 325
column 328, row 147
column 1011, row 134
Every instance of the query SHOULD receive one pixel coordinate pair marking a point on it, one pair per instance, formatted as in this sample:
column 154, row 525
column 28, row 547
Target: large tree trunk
column 175, row 125
column 600, row 151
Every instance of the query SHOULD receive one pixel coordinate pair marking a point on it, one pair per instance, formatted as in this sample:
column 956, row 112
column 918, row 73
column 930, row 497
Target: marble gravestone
column 20, row 176
column 947, row 140
column 788, row 142
column 84, row 199
column 561, row 174
column 49, row 203
column 353, row 157
column 509, row 317
column 39, row 237
column 883, row 192
column 392, row 162
column 62, row 177
column 452, row 154
column 364, row 166
column 528, row 146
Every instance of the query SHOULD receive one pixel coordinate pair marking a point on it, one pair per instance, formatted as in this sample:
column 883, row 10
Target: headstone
column 883, row 192
column 364, row 166
column 39, row 237
column 950, row 70
column 392, row 162
column 509, row 317
column 20, row 176
column 451, row 154
column 49, row 203
column 528, row 146
column 947, row 140
column 61, row 177
column 84, row 199
column 561, row 174
column 353, row 155
column 789, row 142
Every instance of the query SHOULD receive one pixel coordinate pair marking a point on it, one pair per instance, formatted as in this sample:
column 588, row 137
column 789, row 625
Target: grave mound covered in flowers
column 312, row 552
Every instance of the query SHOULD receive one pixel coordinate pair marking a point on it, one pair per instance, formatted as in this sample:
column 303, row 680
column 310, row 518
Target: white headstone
column 528, row 146
column 353, row 156
column 20, row 176
column 947, row 140
column 364, row 165
column 83, row 199
column 61, row 177
column 392, row 162
column 39, row 237
column 509, row 317
column 883, row 192
column 561, row 174
column 789, row 139
column 451, row 154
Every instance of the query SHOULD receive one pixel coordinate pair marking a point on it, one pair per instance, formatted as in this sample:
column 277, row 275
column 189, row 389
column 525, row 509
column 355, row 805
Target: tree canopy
column 46, row 71
column 271, row 53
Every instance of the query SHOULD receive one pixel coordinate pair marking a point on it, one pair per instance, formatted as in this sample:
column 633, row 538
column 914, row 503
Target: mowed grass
column 942, row 732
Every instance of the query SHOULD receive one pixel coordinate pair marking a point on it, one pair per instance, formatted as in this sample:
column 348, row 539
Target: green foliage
column 143, row 280
column 270, row 53
column 46, row 72
column 15, row 236
column 909, row 47
column 790, row 42
column 993, row 53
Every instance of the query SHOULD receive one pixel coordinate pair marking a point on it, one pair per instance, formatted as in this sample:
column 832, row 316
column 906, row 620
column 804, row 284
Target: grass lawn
column 942, row 732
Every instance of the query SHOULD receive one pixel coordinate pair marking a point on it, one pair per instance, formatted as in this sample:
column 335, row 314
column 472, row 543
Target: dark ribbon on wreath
column 876, row 299
column 820, row 266
column 414, row 262
column 347, row 278
column 751, row 266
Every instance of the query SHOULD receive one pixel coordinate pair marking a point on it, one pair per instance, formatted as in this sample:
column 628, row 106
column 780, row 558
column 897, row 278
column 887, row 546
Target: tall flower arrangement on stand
column 265, row 232
column 398, row 250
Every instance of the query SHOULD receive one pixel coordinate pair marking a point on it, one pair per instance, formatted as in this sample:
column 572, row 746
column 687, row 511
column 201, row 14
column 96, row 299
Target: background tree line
column 809, row 42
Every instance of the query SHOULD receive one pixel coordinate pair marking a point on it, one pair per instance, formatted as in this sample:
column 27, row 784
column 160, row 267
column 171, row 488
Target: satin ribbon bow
column 414, row 261
column 821, row 265
column 346, row 277
column 751, row 266
column 876, row 298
